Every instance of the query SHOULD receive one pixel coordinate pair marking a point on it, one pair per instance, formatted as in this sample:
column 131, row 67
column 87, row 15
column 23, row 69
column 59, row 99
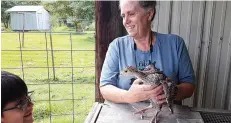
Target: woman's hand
column 141, row 92
column 161, row 98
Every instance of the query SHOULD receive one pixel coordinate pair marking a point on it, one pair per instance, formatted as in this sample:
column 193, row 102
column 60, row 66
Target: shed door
column 40, row 21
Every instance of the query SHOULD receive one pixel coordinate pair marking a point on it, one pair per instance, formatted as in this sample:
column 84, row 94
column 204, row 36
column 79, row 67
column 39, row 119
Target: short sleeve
column 110, row 69
column 186, row 72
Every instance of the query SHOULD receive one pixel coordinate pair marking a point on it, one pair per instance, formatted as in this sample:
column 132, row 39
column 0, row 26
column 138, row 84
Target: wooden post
column 23, row 27
column 108, row 27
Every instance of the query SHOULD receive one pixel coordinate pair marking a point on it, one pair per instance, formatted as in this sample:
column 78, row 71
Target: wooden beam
column 108, row 27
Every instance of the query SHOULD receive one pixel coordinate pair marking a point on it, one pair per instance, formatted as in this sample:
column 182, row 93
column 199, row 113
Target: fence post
column 52, row 56
column 48, row 74
column 20, row 46
column 72, row 78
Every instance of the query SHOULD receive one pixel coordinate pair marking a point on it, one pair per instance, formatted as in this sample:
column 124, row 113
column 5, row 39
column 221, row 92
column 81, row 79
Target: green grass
column 63, row 29
column 60, row 89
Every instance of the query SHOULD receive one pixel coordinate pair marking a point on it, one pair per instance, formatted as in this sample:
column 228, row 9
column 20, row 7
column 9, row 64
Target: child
column 16, row 102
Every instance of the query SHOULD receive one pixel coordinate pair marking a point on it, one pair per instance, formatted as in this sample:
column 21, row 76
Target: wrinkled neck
column 145, row 43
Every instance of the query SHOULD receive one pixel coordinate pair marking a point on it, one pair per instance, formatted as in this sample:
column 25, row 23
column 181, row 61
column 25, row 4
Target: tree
column 5, row 17
column 82, row 11
column 77, row 11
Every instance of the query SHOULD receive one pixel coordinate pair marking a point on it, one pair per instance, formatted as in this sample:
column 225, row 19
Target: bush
column 91, row 27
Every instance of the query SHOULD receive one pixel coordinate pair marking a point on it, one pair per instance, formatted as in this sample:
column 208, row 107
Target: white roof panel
column 24, row 8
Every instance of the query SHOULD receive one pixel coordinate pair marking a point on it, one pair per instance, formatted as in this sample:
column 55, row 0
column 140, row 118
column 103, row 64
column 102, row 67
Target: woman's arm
column 185, row 90
column 114, row 94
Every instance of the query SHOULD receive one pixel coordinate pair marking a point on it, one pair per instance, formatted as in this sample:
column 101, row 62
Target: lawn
column 56, row 99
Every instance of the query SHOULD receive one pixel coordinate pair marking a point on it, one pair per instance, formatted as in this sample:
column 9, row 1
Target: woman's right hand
column 141, row 92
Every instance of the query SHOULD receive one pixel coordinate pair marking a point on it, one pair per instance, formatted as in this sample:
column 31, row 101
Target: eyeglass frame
column 22, row 105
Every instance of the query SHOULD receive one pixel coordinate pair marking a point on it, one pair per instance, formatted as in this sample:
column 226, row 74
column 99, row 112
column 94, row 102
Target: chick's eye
column 126, row 71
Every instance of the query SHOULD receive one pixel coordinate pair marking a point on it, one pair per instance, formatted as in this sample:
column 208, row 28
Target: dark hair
column 149, row 5
column 12, row 88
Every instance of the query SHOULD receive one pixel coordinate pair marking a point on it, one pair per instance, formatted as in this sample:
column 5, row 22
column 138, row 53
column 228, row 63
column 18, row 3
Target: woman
column 139, row 48
column 16, row 104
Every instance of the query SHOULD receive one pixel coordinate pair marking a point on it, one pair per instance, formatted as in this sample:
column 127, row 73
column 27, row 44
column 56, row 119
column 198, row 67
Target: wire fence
column 59, row 67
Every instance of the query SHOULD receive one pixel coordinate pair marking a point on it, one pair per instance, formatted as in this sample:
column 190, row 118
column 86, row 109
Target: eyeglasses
column 22, row 104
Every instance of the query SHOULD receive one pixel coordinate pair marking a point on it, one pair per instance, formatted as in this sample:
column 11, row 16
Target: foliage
column 60, row 8
column 82, row 10
column 91, row 27
column 76, row 11
column 5, row 17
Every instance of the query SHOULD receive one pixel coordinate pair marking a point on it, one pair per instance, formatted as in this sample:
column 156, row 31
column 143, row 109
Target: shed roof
column 24, row 8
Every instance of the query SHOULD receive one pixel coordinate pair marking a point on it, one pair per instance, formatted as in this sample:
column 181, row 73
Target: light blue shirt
column 169, row 52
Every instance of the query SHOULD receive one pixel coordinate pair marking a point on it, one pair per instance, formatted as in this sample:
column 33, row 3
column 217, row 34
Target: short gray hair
column 149, row 5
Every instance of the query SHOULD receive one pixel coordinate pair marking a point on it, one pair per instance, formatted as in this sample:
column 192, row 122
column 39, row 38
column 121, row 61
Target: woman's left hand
column 159, row 97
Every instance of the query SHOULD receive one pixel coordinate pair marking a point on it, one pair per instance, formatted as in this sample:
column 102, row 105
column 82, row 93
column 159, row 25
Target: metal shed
column 29, row 18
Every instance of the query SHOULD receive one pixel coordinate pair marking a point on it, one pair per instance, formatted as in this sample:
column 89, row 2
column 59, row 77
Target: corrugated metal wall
column 32, row 20
column 43, row 19
column 206, row 28
column 29, row 20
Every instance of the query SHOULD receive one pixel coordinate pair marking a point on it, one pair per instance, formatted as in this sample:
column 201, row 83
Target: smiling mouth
column 130, row 27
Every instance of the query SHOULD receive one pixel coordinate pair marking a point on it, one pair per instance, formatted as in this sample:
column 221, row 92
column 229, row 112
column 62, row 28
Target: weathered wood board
column 124, row 113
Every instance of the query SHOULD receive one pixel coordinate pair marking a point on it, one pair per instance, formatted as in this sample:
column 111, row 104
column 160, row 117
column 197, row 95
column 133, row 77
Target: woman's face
column 22, row 114
column 135, row 19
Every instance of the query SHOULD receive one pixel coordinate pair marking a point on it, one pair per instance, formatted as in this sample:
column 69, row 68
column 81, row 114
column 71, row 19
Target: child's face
column 20, row 111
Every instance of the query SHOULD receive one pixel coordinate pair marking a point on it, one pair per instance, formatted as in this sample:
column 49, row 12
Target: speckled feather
column 153, row 76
